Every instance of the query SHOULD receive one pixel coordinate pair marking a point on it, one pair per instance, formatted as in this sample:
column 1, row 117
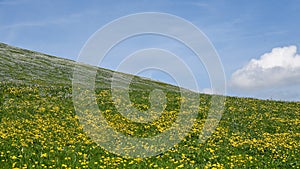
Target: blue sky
column 257, row 41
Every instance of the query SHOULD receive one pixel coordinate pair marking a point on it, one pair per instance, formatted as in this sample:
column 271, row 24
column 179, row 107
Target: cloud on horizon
column 279, row 68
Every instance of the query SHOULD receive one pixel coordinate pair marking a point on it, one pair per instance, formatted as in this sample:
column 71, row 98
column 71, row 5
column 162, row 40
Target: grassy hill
column 39, row 127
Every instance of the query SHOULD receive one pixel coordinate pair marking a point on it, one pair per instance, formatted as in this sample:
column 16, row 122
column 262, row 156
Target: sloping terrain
column 28, row 67
column 39, row 127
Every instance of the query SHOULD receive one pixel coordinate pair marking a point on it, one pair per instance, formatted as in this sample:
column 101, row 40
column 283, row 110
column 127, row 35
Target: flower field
column 40, row 129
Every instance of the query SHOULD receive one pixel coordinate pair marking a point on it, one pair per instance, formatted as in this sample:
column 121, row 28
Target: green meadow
column 39, row 127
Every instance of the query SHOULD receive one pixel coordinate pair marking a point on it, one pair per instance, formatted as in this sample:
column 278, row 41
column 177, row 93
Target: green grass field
column 39, row 127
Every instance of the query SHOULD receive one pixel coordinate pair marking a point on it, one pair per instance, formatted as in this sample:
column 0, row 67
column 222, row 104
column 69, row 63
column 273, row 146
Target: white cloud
column 211, row 91
column 279, row 68
column 207, row 91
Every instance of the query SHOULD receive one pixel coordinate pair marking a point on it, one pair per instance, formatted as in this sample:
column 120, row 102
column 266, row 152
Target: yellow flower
column 180, row 166
column 44, row 155
column 107, row 111
column 55, row 109
column 41, row 109
column 13, row 157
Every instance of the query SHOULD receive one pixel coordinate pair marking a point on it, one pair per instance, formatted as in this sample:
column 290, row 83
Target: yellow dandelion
column 13, row 157
column 43, row 155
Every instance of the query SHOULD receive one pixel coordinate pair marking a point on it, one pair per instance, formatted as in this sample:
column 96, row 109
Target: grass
column 39, row 128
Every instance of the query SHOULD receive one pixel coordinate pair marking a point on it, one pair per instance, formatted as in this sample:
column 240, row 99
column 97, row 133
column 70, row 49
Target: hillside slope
column 39, row 127
column 29, row 67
